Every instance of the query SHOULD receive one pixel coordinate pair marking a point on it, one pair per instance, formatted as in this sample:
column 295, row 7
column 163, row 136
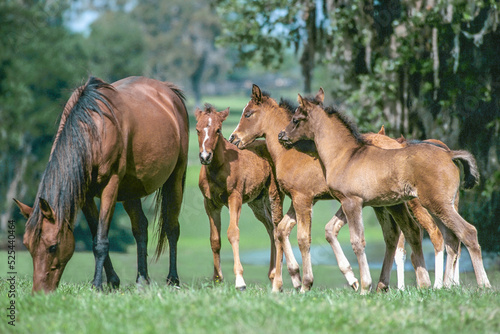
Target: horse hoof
column 355, row 286
column 114, row 283
column 381, row 287
column 241, row 288
column 173, row 281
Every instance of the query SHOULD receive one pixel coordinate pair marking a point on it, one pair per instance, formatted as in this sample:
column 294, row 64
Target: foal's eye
column 248, row 114
column 53, row 248
column 218, row 131
column 295, row 121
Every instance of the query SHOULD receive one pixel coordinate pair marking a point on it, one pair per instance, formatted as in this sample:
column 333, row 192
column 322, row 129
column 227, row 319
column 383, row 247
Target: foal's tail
column 471, row 177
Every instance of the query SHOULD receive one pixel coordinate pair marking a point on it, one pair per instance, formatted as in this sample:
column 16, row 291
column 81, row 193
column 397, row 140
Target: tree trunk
column 13, row 190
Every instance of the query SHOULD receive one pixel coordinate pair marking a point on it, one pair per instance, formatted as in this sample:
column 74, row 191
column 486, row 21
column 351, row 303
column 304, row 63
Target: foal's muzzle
column 233, row 139
column 206, row 157
column 282, row 136
column 284, row 140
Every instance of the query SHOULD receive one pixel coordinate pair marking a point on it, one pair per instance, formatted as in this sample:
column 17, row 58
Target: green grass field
column 199, row 306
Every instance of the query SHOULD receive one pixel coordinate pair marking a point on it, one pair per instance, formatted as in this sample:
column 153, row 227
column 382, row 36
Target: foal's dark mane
column 418, row 141
column 288, row 107
column 343, row 118
column 67, row 177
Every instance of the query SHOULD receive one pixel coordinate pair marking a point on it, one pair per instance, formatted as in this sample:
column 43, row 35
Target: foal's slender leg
column 452, row 245
column 140, row 231
column 466, row 232
column 413, row 233
column 456, row 271
column 213, row 214
column 282, row 235
column 101, row 242
column 92, row 215
column 391, row 233
column 352, row 208
column 427, row 222
column 262, row 211
column 303, row 209
column 400, row 258
column 291, row 263
column 332, row 229
column 276, row 198
column 233, row 234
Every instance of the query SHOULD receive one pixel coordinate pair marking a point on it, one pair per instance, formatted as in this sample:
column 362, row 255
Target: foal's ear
column 223, row 114
column 303, row 103
column 46, row 210
column 382, row 131
column 320, row 96
column 401, row 139
column 197, row 113
column 256, row 93
column 26, row 210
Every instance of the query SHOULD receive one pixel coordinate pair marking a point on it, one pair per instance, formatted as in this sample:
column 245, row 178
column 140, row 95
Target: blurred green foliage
column 423, row 69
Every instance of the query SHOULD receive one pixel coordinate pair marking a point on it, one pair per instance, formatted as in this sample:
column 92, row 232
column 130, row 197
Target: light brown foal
column 229, row 177
column 359, row 174
column 300, row 175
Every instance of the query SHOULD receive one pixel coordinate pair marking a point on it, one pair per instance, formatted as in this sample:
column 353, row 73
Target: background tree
column 41, row 62
column 116, row 47
column 180, row 38
column 32, row 37
column 425, row 69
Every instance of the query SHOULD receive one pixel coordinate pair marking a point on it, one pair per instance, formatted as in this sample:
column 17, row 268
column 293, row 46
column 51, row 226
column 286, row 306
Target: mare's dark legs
column 172, row 193
column 101, row 242
column 140, row 231
column 91, row 214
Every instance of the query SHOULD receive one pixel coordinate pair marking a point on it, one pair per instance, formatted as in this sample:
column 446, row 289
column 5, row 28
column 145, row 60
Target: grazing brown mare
column 119, row 142
column 229, row 177
column 359, row 174
column 300, row 175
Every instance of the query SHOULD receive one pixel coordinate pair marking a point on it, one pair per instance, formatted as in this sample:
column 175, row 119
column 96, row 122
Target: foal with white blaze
column 230, row 177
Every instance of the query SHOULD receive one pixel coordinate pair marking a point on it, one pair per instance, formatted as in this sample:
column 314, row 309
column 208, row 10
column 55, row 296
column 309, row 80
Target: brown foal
column 300, row 176
column 359, row 174
column 230, row 177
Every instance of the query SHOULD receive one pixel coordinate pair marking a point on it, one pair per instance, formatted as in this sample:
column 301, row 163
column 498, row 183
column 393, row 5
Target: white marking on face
column 246, row 106
column 206, row 134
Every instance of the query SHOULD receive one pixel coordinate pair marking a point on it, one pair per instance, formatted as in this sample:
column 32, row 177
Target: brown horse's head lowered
column 208, row 127
column 109, row 146
column 299, row 128
column 50, row 243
